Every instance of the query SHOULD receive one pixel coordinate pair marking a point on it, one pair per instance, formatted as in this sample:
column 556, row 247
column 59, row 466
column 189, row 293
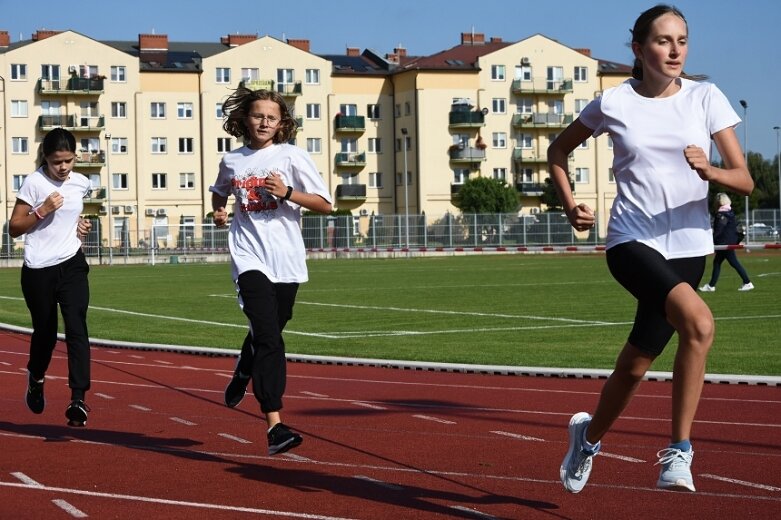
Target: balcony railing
column 90, row 160
column 541, row 120
column 290, row 89
column 96, row 195
column 466, row 119
column 528, row 155
column 542, row 86
column 466, row 154
column 257, row 84
column 78, row 86
column 350, row 123
column 72, row 123
column 350, row 159
column 530, row 189
column 351, row 191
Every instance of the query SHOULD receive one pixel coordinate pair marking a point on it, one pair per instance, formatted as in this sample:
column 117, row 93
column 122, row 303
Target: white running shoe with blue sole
column 576, row 467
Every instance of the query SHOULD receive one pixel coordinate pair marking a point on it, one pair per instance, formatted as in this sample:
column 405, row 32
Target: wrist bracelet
column 37, row 215
column 289, row 193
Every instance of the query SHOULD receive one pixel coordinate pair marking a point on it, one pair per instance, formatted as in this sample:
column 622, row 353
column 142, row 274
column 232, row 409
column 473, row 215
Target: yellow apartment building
column 389, row 134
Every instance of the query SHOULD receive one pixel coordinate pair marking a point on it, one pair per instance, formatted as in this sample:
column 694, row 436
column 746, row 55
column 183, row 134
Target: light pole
column 108, row 193
column 778, row 160
column 745, row 153
column 406, row 194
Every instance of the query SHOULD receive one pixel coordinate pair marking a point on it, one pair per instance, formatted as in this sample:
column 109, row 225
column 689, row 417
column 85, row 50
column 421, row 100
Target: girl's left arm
column 735, row 175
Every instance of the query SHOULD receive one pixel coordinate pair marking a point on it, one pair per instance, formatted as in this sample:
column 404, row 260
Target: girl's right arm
column 580, row 215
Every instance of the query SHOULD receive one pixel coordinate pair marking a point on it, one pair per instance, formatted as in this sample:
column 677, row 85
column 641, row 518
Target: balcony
column 299, row 124
column 72, row 123
column 351, row 191
column 74, row 86
column 257, row 84
column 349, row 123
column 542, row 86
column 90, row 160
column 290, row 89
column 541, row 120
column 467, row 154
column 529, row 155
column 350, row 159
column 466, row 119
column 455, row 188
column 530, row 189
column 97, row 195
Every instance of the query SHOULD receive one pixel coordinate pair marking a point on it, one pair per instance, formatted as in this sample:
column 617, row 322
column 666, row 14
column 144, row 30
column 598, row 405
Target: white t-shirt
column 661, row 201
column 265, row 234
column 53, row 240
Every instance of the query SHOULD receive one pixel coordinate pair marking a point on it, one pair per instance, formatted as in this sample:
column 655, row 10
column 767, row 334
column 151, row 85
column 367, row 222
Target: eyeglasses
column 270, row 120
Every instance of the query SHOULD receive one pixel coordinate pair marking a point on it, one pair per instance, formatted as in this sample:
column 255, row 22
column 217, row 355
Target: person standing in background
column 725, row 233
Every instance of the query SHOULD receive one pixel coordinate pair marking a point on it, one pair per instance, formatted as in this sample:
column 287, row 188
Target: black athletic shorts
column 650, row 277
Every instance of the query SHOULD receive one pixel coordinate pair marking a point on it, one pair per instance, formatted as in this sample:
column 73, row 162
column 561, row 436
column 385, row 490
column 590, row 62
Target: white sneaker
column 707, row 288
column 746, row 287
column 676, row 474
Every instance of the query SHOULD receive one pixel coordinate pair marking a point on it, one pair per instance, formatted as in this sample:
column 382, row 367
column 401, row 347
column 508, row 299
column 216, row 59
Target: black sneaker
column 34, row 397
column 77, row 413
column 281, row 439
column 236, row 389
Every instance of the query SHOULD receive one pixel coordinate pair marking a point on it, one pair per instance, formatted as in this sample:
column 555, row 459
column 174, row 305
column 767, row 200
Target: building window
column 525, row 106
column 18, row 180
column 157, row 110
column 19, row 145
column 610, row 176
column 223, row 75
column 581, row 175
column 312, row 76
column 313, row 110
column 375, row 179
column 118, row 74
column 223, row 144
column 499, row 140
column 526, row 175
column 500, row 174
column 524, row 141
column 499, row 106
column 497, row 72
column 184, row 110
column 375, row 145
column 397, row 110
column 373, row 111
column 218, row 112
column 581, row 74
column 18, row 71
column 250, row 74
column 580, row 104
column 187, row 181
column 119, row 145
column 159, row 144
column 18, row 108
column 118, row 110
column 583, row 145
column 185, row 145
column 119, row 181
column 285, row 77
column 460, row 175
column 609, row 143
column 407, row 108
column 313, row 145
column 159, row 181
column 523, row 72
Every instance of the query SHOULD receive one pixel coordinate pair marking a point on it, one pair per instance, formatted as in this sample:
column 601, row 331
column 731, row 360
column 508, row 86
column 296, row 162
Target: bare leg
column 272, row 419
column 692, row 318
column 631, row 366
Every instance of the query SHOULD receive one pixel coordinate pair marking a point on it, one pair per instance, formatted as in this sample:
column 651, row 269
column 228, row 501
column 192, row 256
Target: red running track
column 379, row 443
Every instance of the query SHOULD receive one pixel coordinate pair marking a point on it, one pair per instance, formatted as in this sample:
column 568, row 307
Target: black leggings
column 650, row 277
column 65, row 284
column 268, row 306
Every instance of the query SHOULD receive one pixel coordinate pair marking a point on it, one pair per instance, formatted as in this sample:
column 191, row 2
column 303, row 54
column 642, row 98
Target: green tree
column 549, row 196
column 484, row 195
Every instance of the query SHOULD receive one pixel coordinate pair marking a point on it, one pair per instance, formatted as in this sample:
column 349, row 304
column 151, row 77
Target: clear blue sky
column 734, row 42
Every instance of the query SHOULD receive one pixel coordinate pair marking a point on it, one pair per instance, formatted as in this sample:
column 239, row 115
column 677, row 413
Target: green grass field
column 518, row 310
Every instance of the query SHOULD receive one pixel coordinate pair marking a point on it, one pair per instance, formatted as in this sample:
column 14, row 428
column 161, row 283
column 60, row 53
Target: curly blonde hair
column 236, row 109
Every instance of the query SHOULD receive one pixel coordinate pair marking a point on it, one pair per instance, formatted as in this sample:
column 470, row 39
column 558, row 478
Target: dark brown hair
column 642, row 29
column 237, row 107
column 57, row 140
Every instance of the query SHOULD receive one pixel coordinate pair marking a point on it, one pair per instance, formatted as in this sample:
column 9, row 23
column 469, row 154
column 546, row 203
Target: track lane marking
column 433, row 419
column 68, row 508
column 234, row 438
column 741, row 482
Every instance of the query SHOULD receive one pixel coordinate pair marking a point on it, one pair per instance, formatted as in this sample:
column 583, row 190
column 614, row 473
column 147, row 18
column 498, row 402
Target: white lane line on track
column 619, row 457
column 26, row 480
column 369, row 405
column 167, row 502
column 136, row 356
column 140, row 408
column 163, row 362
column 518, row 436
column 234, row 438
column 183, row 421
column 313, row 394
column 381, row 483
column 433, row 419
column 103, row 396
column 741, row 482
column 475, row 512
column 296, row 457
column 68, row 508
column 5, row 363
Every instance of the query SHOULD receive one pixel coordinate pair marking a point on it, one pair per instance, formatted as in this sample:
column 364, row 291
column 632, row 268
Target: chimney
column 5, row 40
column 401, row 52
column 42, row 34
column 353, row 51
column 152, row 42
column 472, row 38
column 585, row 52
column 234, row 40
column 392, row 58
column 299, row 44
column 496, row 39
